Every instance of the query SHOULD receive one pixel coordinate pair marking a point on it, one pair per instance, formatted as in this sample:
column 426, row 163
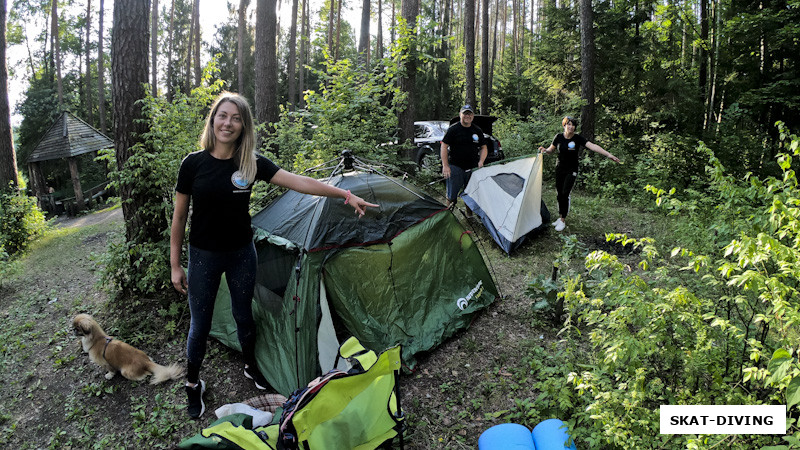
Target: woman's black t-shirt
column 220, row 200
column 569, row 151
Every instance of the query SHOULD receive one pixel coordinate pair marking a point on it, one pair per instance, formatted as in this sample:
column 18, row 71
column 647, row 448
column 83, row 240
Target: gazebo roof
column 69, row 136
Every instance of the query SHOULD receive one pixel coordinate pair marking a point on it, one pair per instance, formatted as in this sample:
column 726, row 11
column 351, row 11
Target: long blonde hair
column 246, row 144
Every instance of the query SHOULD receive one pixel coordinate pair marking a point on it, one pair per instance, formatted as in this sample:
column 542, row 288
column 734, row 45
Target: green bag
column 351, row 410
column 354, row 410
column 233, row 432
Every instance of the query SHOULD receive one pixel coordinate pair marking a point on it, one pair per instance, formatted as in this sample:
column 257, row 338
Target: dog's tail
column 164, row 373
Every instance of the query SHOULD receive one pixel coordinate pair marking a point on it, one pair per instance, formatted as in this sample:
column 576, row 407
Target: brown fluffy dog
column 116, row 356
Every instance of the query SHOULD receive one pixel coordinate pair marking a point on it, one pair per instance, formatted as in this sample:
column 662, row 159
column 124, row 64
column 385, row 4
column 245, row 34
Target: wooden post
column 39, row 186
column 76, row 183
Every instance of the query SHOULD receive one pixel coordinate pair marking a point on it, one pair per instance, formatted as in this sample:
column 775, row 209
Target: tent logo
column 463, row 302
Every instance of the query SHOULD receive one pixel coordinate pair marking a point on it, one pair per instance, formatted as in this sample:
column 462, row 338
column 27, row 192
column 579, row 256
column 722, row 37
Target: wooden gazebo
column 65, row 140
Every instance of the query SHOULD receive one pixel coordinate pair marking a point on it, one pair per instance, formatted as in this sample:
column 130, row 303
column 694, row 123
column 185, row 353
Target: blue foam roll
column 549, row 435
column 506, row 436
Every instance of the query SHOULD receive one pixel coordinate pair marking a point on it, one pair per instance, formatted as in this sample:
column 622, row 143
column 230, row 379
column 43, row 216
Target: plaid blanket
column 266, row 402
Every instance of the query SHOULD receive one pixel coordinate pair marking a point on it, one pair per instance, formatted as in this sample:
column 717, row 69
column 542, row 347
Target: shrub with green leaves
column 717, row 325
column 21, row 221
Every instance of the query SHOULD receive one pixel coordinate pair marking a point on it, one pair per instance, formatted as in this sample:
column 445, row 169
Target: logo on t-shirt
column 571, row 145
column 239, row 181
column 475, row 138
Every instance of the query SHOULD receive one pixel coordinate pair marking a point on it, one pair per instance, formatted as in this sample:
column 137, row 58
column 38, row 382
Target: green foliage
column 143, row 264
column 545, row 289
column 714, row 326
column 349, row 111
column 21, row 222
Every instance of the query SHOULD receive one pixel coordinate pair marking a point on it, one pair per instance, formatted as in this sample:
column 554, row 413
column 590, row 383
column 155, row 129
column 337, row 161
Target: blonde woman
column 569, row 145
column 217, row 181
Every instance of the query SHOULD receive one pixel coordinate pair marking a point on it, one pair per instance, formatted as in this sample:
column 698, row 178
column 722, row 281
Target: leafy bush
column 21, row 221
column 688, row 327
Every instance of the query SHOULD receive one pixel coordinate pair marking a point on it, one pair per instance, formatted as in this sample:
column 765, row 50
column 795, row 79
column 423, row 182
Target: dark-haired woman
column 218, row 180
column 569, row 147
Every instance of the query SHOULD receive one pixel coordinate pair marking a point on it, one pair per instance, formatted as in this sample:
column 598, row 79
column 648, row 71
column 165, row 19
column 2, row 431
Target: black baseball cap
column 466, row 108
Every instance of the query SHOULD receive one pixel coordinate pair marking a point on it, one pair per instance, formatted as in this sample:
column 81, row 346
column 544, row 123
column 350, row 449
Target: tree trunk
column 266, row 64
column 292, row 69
column 187, row 82
column 154, row 49
column 101, row 79
column 485, row 64
column 379, row 37
column 301, row 79
column 74, row 175
column 442, row 67
column 494, row 45
column 241, row 30
column 129, row 72
column 469, row 51
column 57, row 53
column 714, row 54
column 587, row 69
column 198, row 69
column 87, row 82
column 516, row 46
column 702, row 78
column 504, row 33
column 393, row 22
column 170, row 52
column 9, row 175
column 331, row 16
column 408, row 82
column 338, row 30
column 363, row 40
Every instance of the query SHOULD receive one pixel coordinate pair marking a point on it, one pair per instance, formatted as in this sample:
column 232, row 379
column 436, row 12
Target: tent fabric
column 319, row 223
column 407, row 273
column 508, row 199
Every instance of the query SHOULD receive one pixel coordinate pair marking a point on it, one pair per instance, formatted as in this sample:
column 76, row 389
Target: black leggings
column 564, row 183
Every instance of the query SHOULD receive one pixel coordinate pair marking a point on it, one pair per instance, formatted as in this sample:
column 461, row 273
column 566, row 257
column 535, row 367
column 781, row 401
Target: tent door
column 327, row 343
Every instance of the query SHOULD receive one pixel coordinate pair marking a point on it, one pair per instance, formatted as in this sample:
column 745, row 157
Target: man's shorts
column 457, row 182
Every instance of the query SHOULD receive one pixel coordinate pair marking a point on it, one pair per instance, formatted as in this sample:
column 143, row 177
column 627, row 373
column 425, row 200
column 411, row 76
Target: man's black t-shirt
column 220, row 199
column 465, row 144
column 569, row 151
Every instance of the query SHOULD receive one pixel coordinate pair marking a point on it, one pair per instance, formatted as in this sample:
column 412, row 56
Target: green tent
column 406, row 273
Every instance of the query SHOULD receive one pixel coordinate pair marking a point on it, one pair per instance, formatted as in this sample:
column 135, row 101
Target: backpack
column 358, row 408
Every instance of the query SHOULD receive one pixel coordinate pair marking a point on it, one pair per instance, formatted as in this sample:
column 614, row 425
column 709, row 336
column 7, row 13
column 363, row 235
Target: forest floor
column 54, row 397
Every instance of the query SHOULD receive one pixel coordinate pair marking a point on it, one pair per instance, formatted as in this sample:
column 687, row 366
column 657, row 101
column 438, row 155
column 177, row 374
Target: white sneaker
column 556, row 222
column 560, row 225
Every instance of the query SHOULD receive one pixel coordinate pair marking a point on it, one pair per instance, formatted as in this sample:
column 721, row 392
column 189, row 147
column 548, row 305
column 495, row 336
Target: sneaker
column 560, row 225
column 195, row 406
column 556, row 222
column 254, row 374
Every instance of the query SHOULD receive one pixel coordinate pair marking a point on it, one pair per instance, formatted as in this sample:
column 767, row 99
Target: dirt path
column 105, row 216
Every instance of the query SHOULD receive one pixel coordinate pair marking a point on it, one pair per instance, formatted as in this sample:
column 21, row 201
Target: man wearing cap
column 467, row 151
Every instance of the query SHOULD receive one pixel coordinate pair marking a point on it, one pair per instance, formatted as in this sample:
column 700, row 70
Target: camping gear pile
column 342, row 410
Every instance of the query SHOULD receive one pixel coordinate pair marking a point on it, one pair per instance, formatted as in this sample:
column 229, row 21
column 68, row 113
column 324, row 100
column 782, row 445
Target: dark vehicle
column 428, row 139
